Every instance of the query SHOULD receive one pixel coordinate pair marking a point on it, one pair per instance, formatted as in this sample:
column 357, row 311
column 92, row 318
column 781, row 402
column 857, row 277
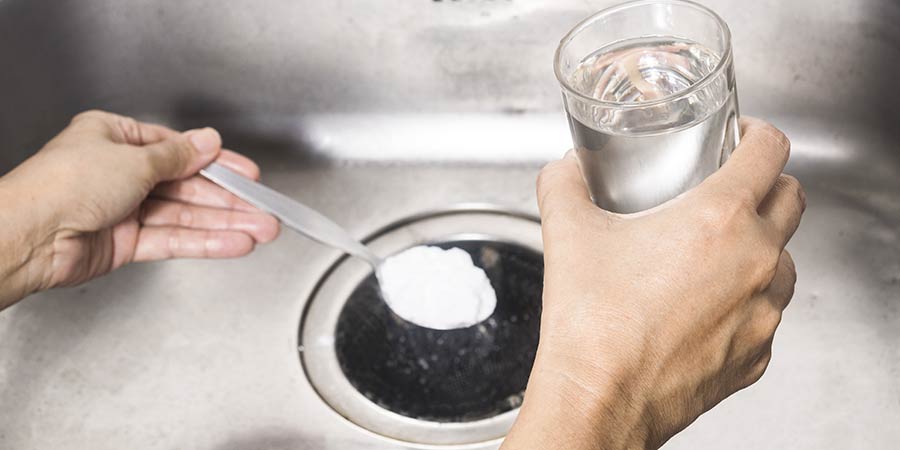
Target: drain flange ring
column 385, row 375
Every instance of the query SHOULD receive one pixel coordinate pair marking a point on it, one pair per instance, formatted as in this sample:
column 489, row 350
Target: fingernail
column 569, row 153
column 206, row 140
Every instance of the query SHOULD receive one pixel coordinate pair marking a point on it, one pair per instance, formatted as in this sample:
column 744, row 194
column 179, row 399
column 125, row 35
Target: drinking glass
column 649, row 92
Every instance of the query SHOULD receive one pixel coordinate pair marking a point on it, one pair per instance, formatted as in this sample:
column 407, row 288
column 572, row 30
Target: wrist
column 572, row 405
column 26, row 243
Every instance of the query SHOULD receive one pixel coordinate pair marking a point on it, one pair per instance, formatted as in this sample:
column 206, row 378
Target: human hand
column 109, row 190
column 653, row 318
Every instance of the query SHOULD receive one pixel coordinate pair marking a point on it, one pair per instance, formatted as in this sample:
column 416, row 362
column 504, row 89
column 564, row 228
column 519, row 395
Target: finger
column 183, row 155
column 151, row 133
column 239, row 163
column 781, row 289
column 123, row 129
column 155, row 243
column 783, row 207
column 200, row 191
column 143, row 133
column 98, row 121
column 755, row 164
column 560, row 187
column 261, row 227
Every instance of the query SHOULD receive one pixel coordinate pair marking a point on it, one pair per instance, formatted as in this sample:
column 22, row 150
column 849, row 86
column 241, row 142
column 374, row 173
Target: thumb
column 185, row 154
column 561, row 189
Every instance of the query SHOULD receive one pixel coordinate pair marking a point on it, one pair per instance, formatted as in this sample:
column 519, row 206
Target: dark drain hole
column 454, row 375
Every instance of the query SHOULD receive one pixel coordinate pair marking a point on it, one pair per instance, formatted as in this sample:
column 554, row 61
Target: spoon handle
column 292, row 213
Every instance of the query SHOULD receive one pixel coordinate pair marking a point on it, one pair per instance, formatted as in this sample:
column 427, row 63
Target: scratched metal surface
column 375, row 111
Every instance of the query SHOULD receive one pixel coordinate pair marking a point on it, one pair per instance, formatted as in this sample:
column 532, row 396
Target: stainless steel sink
column 378, row 111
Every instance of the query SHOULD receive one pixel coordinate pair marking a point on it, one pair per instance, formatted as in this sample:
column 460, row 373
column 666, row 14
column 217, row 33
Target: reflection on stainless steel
column 202, row 354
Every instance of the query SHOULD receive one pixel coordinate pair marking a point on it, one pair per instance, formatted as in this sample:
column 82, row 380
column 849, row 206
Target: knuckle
column 788, row 261
column 91, row 114
column 759, row 367
column 790, row 183
column 791, row 287
column 130, row 129
column 786, row 274
column 755, row 363
column 777, row 139
column 94, row 120
column 721, row 216
column 794, row 185
column 787, row 296
column 781, row 289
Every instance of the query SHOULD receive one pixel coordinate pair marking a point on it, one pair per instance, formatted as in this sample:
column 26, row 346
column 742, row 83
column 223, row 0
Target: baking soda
column 436, row 288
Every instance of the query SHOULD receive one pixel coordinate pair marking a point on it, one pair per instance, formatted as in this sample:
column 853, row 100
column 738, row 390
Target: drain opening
column 414, row 385
column 447, row 375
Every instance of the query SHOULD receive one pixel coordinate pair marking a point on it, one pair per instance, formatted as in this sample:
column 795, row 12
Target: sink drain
column 419, row 385
column 453, row 375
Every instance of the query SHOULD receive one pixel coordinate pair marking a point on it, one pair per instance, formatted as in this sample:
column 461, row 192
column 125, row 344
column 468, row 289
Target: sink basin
column 374, row 112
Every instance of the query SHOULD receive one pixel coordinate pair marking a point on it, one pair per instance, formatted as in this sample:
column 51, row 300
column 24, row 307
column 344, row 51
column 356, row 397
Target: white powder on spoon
column 436, row 288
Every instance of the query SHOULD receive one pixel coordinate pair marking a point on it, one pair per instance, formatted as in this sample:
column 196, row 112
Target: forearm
column 26, row 242
column 563, row 409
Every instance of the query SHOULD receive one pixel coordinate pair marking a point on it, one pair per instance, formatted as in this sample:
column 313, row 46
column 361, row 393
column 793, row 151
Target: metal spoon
column 320, row 228
column 290, row 212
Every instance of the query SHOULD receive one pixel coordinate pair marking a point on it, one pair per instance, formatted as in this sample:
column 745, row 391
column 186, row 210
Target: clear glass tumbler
column 650, row 95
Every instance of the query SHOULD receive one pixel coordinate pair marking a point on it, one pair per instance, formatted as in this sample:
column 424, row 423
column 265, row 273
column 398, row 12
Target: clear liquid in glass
column 633, row 161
